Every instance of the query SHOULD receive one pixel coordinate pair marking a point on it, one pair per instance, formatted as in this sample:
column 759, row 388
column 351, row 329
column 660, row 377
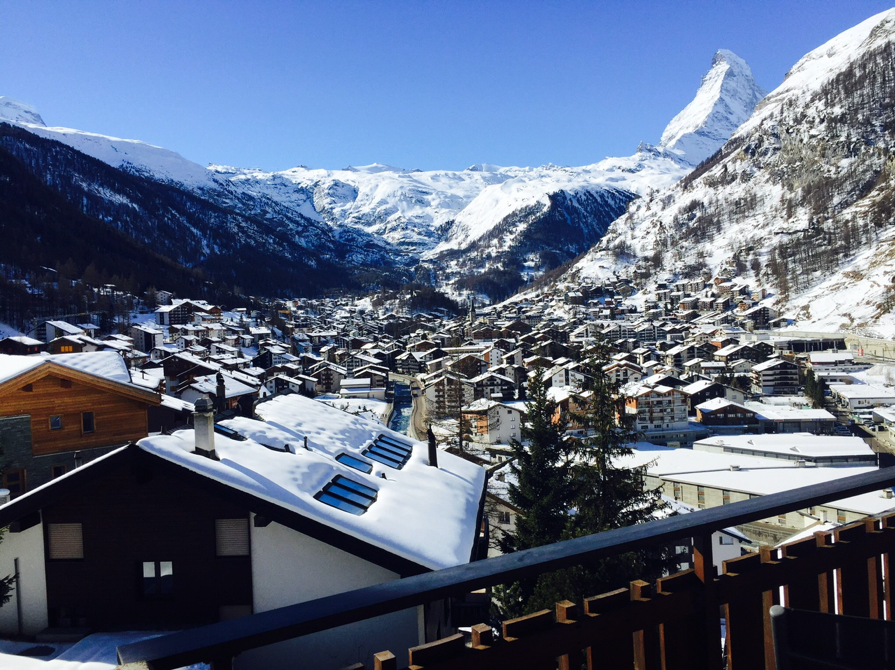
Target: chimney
column 433, row 449
column 203, row 425
column 734, row 468
column 888, row 493
column 220, row 393
column 800, row 463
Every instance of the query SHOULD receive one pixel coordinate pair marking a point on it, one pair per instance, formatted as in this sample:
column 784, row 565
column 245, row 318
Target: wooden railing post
column 646, row 641
column 710, row 638
column 619, row 654
column 859, row 587
column 750, row 643
column 678, row 635
column 566, row 614
column 385, row 660
column 809, row 585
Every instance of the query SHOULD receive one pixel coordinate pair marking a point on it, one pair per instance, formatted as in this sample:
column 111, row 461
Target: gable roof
column 423, row 517
column 100, row 369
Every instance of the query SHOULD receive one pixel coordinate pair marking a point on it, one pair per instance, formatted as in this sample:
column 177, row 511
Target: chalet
column 492, row 422
column 227, row 392
column 725, row 416
column 329, row 377
column 59, row 411
column 192, row 528
column 20, row 346
column 446, row 393
column 700, row 391
column 493, row 385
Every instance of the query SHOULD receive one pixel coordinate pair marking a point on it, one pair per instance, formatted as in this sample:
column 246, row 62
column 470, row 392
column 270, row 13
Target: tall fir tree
column 569, row 487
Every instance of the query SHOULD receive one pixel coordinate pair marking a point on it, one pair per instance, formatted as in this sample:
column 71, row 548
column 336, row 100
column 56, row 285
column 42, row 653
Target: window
column 65, row 541
column 678, row 494
column 356, row 463
column 389, row 451
column 58, row 471
column 840, row 516
column 157, row 578
column 503, row 518
column 725, row 497
column 347, row 495
column 66, row 349
column 231, row 537
column 725, row 539
column 56, row 422
column 781, row 519
column 15, row 480
column 700, row 497
column 87, row 422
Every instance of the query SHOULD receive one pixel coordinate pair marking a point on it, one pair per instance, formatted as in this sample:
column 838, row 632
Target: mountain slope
column 801, row 198
column 261, row 251
column 375, row 216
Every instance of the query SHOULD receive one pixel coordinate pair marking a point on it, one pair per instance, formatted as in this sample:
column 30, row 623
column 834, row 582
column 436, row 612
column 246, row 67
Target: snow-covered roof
column 791, row 444
column 787, row 412
column 424, row 514
column 757, row 476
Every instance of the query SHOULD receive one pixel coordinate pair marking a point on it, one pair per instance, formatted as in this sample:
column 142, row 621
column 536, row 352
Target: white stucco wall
column 288, row 568
column 31, row 590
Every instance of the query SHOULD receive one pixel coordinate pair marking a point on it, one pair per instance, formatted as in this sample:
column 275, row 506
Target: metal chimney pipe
column 433, row 448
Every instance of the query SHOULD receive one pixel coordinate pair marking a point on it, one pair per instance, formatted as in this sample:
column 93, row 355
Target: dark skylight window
column 389, row 451
column 355, row 463
column 347, row 495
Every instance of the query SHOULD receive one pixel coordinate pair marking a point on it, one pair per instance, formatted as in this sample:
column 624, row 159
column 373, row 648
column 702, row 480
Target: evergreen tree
column 568, row 487
column 814, row 389
column 7, row 584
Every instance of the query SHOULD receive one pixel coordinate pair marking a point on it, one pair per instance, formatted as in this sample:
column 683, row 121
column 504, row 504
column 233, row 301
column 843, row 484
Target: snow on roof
column 177, row 404
column 424, row 514
column 697, row 386
column 232, row 387
column 23, row 339
column 855, row 391
column 821, row 358
column 107, row 364
column 715, row 404
column 798, row 444
column 788, row 412
column 13, row 366
column 66, row 327
column 757, row 476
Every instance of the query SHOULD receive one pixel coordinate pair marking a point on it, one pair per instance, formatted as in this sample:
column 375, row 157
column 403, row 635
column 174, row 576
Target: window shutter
column 232, row 537
column 66, row 540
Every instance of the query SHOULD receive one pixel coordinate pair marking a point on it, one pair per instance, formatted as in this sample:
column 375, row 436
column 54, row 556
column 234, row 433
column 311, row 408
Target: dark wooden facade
column 140, row 513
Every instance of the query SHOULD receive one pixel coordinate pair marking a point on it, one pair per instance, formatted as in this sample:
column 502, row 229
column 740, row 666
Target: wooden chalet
column 63, row 410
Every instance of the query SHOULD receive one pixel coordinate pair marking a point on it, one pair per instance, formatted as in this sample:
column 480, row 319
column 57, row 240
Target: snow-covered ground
column 94, row 652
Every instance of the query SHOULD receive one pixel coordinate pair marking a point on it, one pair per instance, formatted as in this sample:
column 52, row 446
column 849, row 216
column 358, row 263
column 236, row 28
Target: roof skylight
column 389, row 451
column 356, row 463
column 347, row 495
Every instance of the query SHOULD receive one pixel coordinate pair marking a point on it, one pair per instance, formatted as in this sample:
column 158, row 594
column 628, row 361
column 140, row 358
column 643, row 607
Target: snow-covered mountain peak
column 725, row 99
column 15, row 111
column 819, row 66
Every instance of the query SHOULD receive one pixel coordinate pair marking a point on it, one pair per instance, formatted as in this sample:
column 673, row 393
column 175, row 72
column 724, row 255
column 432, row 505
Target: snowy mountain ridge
column 800, row 200
column 429, row 214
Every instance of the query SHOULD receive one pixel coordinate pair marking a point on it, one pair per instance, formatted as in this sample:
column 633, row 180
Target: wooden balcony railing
column 676, row 623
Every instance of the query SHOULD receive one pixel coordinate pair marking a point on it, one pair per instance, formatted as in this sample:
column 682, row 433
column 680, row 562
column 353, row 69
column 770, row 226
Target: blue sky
column 419, row 84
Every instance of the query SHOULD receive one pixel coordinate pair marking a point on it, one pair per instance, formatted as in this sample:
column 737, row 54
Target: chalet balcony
column 676, row 622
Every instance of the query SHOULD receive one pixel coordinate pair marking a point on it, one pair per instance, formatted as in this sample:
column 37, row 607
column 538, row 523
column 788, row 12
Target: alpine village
column 637, row 414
